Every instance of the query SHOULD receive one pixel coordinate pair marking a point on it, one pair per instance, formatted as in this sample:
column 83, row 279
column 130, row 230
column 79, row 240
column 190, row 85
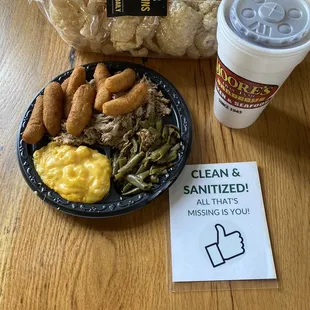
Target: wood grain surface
column 49, row 260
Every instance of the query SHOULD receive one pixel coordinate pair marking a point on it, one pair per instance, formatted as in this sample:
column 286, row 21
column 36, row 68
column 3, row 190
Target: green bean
column 131, row 155
column 153, row 131
column 127, row 187
column 144, row 124
column 135, row 146
column 159, row 126
column 134, row 191
column 163, row 172
column 125, row 149
column 132, row 163
column 165, row 133
column 135, row 170
column 168, row 158
column 171, row 140
column 146, row 159
column 174, row 136
column 172, row 157
column 143, row 175
column 144, row 165
column 163, row 160
column 142, row 168
column 177, row 129
column 151, row 114
column 115, row 164
column 154, row 179
column 134, row 180
column 157, row 170
column 122, row 162
column 175, row 147
column 160, row 152
column 155, row 145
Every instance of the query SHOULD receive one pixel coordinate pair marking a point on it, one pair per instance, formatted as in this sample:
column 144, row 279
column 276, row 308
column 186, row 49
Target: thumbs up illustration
column 226, row 247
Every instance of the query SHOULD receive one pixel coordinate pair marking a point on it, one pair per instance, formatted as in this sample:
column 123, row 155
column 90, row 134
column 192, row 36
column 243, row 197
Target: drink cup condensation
column 260, row 42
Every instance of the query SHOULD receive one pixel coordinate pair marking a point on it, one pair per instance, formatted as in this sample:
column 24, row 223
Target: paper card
column 218, row 225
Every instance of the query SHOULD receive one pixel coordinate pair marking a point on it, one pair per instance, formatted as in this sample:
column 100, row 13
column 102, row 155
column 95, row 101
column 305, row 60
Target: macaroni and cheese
column 77, row 174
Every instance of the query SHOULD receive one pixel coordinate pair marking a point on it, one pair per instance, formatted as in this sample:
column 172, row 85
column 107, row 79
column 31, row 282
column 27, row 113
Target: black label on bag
column 136, row 8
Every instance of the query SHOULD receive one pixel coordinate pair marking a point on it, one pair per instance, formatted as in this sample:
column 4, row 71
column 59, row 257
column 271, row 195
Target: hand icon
column 226, row 247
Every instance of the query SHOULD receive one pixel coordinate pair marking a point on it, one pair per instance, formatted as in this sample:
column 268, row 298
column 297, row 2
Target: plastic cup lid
column 273, row 23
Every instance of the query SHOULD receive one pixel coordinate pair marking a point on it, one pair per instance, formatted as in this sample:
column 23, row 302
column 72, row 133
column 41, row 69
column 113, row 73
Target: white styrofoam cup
column 248, row 75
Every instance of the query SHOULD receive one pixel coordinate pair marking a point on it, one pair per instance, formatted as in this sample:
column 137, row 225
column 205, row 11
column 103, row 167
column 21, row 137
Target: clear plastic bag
column 188, row 30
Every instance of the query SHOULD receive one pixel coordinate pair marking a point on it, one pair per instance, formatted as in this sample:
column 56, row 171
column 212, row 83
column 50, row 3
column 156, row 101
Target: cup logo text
column 240, row 92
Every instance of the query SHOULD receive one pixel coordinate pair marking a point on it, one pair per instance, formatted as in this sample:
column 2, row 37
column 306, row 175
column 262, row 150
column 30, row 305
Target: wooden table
column 49, row 260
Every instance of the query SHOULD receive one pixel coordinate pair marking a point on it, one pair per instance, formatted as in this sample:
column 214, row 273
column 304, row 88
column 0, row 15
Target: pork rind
column 123, row 32
column 67, row 15
column 188, row 30
column 176, row 31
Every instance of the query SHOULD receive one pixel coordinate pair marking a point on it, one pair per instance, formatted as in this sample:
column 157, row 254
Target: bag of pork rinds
column 142, row 28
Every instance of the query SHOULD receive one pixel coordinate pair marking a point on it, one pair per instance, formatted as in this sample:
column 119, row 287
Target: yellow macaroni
column 78, row 174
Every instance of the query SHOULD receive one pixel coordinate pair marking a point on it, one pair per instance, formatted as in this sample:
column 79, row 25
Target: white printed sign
column 218, row 225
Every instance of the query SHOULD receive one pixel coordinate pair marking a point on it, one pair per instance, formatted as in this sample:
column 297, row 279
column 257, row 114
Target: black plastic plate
column 114, row 203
